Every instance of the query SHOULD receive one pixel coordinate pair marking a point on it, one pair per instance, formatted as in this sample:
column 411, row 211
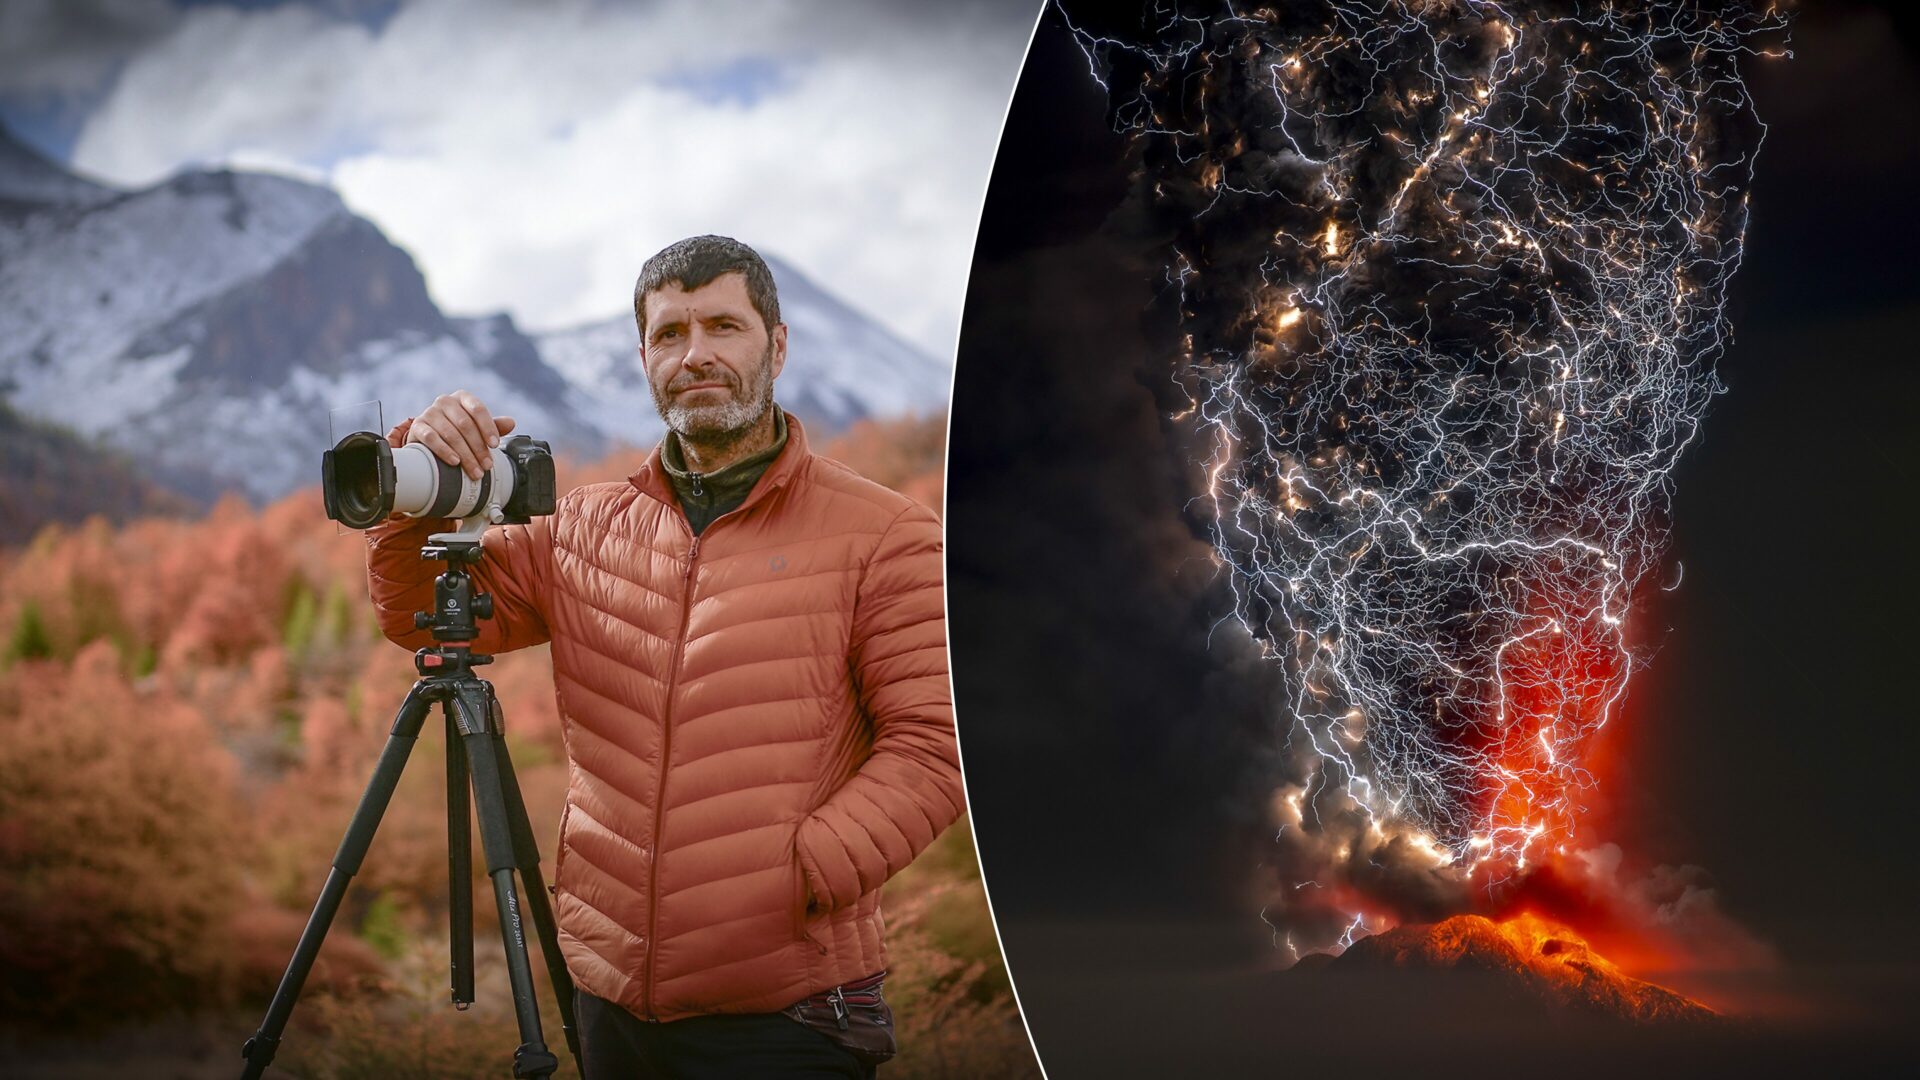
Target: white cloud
column 531, row 156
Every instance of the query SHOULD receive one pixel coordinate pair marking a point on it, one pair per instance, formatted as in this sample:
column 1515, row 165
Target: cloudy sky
column 530, row 156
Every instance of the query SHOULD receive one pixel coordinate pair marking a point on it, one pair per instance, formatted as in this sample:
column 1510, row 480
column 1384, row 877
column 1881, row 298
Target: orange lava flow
column 1553, row 944
column 1555, row 952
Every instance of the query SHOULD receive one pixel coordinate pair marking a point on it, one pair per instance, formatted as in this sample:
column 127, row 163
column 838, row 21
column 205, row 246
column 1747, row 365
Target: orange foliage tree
column 118, row 824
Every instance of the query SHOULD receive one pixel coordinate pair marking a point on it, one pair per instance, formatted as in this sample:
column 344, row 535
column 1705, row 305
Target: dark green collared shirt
column 705, row 496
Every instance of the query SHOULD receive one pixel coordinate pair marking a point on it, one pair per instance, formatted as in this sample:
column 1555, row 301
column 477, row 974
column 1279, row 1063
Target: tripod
column 476, row 757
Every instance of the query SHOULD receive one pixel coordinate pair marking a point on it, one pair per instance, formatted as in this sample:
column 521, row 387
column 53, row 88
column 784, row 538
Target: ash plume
column 1450, row 282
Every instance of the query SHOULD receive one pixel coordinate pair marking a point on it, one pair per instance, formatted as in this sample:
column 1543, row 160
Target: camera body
column 364, row 479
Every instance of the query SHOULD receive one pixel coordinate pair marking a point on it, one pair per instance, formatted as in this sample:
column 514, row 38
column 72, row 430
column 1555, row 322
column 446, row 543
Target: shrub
column 117, row 829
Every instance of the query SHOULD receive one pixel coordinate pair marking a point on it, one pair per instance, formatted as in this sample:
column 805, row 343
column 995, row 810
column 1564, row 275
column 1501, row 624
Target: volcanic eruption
column 1448, row 285
column 1549, row 965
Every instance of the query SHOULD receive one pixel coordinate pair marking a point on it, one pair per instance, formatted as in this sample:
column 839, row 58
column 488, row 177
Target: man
column 749, row 654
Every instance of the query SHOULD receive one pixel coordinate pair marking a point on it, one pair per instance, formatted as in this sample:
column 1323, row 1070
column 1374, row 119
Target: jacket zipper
column 666, row 746
column 660, row 792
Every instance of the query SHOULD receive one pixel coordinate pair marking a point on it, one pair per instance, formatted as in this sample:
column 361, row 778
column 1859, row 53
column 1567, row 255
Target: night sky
column 1114, row 755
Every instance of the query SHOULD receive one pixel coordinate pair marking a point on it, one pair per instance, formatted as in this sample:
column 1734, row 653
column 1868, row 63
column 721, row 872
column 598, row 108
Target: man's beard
column 719, row 426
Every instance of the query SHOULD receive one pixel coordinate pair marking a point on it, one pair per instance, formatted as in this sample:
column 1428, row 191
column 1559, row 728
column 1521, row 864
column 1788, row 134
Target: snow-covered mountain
column 208, row 324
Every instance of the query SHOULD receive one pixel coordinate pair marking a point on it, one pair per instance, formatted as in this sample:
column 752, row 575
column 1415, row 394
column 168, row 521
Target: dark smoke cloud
column 1448, row 287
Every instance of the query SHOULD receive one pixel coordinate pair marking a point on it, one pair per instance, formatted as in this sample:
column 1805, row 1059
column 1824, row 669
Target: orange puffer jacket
column 758, row 722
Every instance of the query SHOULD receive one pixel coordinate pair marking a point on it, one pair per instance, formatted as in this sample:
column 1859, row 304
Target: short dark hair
column 696, row 261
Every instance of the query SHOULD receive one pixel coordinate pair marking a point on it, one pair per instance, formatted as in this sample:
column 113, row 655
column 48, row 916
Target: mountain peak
column 1529, row 957
column 29, row 176
column 222, row 307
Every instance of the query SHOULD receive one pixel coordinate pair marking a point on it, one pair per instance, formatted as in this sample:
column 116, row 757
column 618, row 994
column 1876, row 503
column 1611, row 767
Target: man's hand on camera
column 460, row 431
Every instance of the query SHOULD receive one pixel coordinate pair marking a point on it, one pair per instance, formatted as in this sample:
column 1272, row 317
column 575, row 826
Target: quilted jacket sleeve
column 514, row 567
column 909, row 789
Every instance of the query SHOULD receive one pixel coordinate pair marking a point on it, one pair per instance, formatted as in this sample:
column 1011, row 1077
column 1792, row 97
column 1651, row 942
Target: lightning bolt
column 1451, row 281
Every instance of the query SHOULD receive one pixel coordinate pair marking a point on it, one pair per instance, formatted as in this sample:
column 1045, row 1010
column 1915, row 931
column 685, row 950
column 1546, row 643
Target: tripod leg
column 260, row 1049
column 478, row 715
column 459, row 865
column 527, row 855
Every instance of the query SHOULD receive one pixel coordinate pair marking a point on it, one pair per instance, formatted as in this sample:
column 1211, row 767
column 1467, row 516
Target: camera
column 364, row 478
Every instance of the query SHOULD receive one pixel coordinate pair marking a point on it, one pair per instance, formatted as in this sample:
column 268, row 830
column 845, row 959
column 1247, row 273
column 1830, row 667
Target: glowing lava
column 1534, row 957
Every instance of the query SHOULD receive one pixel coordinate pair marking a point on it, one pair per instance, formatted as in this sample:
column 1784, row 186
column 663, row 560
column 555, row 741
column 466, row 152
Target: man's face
column 710, row 359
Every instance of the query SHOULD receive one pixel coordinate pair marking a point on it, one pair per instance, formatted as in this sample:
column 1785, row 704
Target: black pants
column 617, row 1045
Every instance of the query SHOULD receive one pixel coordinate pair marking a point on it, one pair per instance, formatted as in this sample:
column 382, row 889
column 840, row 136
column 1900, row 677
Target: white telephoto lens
column 425, row 486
